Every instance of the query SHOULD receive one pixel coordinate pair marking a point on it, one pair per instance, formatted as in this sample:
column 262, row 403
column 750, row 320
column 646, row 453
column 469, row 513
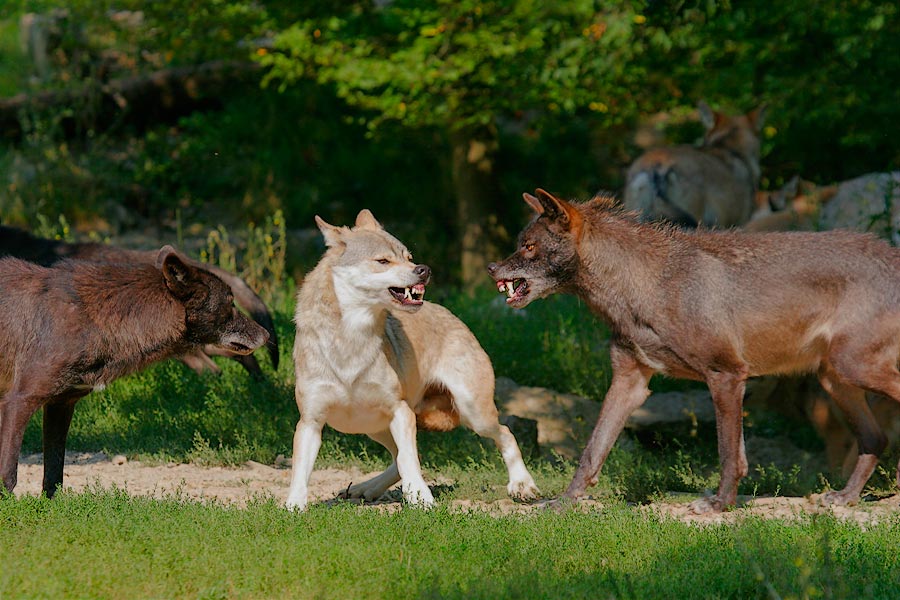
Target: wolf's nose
column 423, row 271
column 492, row 268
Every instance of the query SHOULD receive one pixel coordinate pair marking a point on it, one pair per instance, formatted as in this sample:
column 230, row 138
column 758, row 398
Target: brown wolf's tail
column 649, row 193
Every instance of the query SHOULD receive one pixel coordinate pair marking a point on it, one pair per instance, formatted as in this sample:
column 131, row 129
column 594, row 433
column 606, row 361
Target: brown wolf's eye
column 529, row 247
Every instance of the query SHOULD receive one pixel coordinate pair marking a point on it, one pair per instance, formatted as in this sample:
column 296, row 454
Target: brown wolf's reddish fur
column 21, row 244
column 719, row 307
column 78, row 326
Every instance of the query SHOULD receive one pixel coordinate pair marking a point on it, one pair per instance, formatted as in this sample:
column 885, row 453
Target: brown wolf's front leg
column 629, row 389
column 727, row 391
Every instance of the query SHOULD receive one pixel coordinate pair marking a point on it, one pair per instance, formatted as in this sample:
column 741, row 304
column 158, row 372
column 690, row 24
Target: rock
column 119, row 459
column 281, row 461
column 671, row 408
column 564, row 421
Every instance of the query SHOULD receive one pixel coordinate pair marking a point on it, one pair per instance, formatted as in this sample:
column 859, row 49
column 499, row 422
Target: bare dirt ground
column 255, row 480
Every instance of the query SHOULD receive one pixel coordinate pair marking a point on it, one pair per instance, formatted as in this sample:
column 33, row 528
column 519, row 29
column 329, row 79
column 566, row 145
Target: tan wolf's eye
column 383, row 261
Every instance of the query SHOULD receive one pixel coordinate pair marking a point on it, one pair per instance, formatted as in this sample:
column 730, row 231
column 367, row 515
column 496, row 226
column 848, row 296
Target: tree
column 461, row 66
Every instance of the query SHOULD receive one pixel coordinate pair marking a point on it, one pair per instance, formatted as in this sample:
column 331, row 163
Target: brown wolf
column 77, row 326
column 713, row 184
column 373, row 357
column 719, row 307
column 21, row 244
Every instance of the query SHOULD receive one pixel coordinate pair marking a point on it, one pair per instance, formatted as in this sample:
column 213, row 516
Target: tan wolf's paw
column 523, row 491
column 364, row 491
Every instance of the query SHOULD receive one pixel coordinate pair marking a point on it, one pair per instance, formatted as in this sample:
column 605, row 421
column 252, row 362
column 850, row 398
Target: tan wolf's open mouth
column 411, row 296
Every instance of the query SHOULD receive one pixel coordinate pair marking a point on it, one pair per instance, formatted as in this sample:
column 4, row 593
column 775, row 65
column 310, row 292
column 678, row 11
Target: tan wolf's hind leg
column 478, row 412
column 372, row 489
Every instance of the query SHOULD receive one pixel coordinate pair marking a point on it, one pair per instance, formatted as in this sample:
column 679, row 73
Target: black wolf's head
column 210, row 314
column 546, row 259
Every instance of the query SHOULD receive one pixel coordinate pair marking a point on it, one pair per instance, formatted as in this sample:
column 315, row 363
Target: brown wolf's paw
column 709, row 504
column 558, row 505
column 523, row 491
column 835, row 498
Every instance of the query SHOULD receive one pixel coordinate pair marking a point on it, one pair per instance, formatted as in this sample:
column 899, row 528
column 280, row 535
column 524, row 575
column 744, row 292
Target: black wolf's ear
column 366, row 220
column 333, row 235
column 178, row 275
column 757, row 117
column 708, row 116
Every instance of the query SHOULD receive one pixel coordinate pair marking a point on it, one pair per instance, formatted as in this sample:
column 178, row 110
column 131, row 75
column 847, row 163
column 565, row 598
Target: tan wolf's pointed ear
column 558, row 210
column 333, row 235
column 366, row 220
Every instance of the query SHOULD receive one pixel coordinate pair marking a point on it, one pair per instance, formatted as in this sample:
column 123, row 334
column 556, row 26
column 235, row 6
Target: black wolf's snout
column 423, row 272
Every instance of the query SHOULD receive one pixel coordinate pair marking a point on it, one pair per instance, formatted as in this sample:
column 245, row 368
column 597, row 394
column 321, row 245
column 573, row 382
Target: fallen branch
column 138, row 102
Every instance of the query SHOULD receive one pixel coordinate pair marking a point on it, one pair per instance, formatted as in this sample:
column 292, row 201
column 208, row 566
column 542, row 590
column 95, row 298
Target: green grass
column 105, row 544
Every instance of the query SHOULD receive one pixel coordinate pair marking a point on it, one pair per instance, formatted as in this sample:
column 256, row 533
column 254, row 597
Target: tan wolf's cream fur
column 373, row 357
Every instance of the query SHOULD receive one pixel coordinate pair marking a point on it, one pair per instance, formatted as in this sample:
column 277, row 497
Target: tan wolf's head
column 371, row 266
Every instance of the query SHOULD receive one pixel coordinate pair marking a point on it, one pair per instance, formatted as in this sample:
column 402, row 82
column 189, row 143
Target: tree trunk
column 478, row 201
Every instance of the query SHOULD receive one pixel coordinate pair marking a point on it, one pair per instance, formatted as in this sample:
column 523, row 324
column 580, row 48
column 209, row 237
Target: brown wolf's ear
column 333, row 235
column 558, row 210
column 534, row 203
column 757, row 117
column 707, row 115
column 178, row 275
column 366, row 220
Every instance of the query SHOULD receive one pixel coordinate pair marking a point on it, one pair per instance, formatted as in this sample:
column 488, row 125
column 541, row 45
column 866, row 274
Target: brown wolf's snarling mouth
column 515, row 289
column 411, row 296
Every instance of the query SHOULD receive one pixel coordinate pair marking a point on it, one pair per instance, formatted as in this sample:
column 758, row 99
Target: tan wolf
column 719, row 307
column 713, row 184
column 373, row 357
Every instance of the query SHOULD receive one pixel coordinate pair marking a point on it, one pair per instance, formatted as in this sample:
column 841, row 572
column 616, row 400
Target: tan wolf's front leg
column 403, row 430
column 307, row 440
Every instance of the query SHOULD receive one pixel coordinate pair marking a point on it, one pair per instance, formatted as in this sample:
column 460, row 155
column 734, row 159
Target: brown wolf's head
column 371, row 267
column 210, row 314
column 546, row 259
column 736, row 133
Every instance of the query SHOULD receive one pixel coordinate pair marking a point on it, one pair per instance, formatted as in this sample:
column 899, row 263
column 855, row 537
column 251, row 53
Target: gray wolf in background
column 73, row 328
column 719, row 307
column 713, row 184
column 373, row 357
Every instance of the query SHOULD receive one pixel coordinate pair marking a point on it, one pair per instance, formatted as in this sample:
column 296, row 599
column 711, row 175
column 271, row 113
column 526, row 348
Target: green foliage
column 140, row 547
column 461, row 64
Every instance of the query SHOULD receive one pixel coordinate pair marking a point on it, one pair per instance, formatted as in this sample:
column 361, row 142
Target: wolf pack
column 697, row 273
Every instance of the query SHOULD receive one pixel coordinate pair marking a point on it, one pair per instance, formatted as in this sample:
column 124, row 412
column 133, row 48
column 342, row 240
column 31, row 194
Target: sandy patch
column 240, row 484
